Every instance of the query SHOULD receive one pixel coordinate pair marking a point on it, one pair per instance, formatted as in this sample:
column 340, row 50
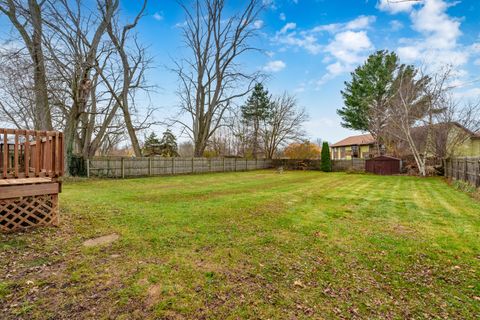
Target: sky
column 309, row 48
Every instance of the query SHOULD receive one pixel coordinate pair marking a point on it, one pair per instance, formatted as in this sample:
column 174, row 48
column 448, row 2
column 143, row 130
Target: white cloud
column 258, row 24
column 439, row 34
column 440, row 30
column 282, row 16
column 396, row 25
column 274, row 66
column 362, row 22
column 409, row 53
column 270, row 4
column 347, row 50
column 288, row 36
column 308, row 39
column 348, row 46
column 287, row 27
column 158, row 16
column 396, row 6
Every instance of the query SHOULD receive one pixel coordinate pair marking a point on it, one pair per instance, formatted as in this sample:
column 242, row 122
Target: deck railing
column 28, row 153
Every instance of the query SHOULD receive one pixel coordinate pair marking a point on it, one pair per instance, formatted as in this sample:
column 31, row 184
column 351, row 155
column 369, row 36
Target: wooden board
column 16, row 191
column 9, row 182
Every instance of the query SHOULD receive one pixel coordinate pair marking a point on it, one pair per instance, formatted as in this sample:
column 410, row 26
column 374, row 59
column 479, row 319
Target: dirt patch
column 101, row 240
column 153, row 295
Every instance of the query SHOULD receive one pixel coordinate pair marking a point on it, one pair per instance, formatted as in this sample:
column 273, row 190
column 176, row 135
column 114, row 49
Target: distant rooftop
column 363, row 139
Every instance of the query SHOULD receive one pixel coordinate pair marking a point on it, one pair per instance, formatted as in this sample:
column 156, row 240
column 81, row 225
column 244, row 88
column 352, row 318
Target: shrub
column 464, row 186
column 326, row 162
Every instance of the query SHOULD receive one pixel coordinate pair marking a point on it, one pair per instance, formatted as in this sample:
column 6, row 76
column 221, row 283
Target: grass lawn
column 297, row 245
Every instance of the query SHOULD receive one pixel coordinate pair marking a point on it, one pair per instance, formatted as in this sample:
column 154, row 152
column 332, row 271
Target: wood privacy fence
column 465, row 169
column 337, row 165
column 347, row 165
column 122, row 167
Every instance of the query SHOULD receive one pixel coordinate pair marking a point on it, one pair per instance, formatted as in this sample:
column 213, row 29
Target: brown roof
column 363, row 139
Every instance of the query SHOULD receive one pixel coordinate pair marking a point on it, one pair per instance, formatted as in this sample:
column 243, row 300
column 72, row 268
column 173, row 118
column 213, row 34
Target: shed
column 383, row 165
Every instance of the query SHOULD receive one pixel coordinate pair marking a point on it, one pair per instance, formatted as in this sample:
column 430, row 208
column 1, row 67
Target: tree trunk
column 131, row 130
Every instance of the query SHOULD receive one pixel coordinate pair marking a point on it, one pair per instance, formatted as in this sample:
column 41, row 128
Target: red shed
column 383, row 165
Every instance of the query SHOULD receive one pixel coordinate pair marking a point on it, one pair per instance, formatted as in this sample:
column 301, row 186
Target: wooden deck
column 31, row 163
column 19, row 181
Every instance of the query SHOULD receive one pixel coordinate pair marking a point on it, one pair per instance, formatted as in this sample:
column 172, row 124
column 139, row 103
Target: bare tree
column 93, row 66
column 185, row 149
column 408, row 108
column 211, row 78
column 16, row 89
column 27, row 20
column 133, row 67
column 284, row 124
column 73, row 43
column 454, row 125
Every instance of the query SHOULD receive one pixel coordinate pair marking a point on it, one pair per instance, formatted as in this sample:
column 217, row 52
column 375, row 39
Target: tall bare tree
column 73, row 42
column 408, row 108
column 94, row 65
column 17, row 98
column 133, row 67
column 284, row 125
column 27, row 20
column 211, row 77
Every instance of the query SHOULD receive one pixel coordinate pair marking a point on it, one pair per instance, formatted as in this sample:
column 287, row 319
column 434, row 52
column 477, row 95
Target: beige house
column 457, row 140
column 361, row 146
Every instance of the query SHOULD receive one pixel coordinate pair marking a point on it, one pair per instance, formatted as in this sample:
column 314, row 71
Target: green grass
column 251, row 245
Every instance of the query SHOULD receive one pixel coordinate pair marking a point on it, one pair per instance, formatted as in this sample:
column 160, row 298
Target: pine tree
column 326, row 162
column 256, row 110
column 367, row 95
column 151, row 145
column 168, row 145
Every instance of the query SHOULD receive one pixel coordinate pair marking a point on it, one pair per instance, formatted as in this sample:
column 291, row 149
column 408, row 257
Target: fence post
column 173, row 165
column 235, row 164
column 477, row 177
column 453, row 168
column 209, row 161
column 246, row 164
column 223, row 164
column 193, row 165
column 465, row 170
column 88, row 167
column 123, row 167
column 149, row 166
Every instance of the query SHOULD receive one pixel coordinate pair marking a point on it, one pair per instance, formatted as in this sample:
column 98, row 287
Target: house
column 471, row 147
column 442, row 140
column 445, row 139
column 361, row 146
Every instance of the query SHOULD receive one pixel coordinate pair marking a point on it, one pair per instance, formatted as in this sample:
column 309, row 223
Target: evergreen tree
column 326, row 162
column 255, row 111
column 151, row 145
column 367, row 95
column 168, row 145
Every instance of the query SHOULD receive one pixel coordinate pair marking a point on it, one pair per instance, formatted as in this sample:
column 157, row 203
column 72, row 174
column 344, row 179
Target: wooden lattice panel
column 26, row 212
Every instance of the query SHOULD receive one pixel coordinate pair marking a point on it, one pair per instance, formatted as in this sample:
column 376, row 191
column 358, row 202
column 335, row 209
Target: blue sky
column 310, row 46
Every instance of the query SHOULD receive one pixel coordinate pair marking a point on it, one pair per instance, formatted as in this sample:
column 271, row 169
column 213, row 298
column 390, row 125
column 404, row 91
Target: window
column 355, row 151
